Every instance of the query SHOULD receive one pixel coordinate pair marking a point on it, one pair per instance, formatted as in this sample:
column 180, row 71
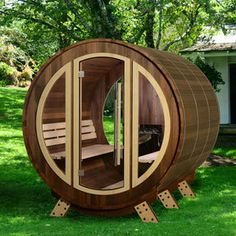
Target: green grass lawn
column 25, row 201
column 225, row 146
column 225, row 151
column 108, row 122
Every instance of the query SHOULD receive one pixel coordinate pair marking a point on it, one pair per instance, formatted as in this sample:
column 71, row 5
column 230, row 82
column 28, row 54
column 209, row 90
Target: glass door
column 101, row 123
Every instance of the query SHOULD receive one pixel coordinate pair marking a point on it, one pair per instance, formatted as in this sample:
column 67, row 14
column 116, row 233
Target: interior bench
column 55, row 134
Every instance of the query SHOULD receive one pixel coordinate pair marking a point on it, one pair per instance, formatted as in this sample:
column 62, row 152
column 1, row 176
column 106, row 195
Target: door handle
column 117, row 123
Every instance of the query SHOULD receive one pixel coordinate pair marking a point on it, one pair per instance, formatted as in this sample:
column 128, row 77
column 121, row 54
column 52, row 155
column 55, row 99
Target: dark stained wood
column 150, row 109
column 193, row 111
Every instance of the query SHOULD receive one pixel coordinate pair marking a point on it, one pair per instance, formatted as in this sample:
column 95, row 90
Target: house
column 221, row 52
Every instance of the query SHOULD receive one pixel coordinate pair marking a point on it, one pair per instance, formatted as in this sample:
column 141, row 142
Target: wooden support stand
column 167, row 199
column 60, row 208
column 146, row 212
column 185, row 189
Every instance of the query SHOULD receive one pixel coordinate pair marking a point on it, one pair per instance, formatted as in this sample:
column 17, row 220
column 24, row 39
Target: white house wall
column 221, row 65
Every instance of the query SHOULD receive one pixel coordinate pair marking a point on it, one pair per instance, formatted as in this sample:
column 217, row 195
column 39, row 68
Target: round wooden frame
column 194, row 124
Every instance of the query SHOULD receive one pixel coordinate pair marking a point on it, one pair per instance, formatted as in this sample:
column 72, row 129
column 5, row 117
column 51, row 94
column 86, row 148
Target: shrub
column 7, row 74
column 211, row 73
column 16, row 66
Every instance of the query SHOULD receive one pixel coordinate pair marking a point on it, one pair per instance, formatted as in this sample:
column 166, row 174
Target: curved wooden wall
column 194, row 124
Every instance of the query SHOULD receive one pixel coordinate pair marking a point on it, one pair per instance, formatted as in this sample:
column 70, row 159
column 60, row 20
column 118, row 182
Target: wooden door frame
column 135, row 118
column 39, row 122
column 77, row 117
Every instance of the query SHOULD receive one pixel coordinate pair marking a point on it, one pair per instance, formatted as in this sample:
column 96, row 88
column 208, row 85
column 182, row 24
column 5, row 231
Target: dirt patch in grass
column 214, row 160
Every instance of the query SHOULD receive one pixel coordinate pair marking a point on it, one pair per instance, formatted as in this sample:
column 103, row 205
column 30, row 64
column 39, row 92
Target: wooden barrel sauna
column 108, row 125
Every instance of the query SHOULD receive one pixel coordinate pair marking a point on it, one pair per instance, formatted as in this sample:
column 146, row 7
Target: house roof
column 211, row 47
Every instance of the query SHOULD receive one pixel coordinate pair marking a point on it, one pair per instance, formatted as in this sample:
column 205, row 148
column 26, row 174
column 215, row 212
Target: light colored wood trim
column 146, row 212
column 185, row 189
column 39, row 126
column 60, row 209
column 167, row 199
column 116, row 185
column 68, row 116
column 135, row 179
column 126, row 124
column 77, row 120
column 135, row 124
column 118, row 119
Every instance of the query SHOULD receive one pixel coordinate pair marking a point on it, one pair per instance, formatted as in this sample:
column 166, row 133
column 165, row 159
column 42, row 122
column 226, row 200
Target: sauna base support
column 167, row 199
column 185, row 189
column 146, row 212
column 60, row 209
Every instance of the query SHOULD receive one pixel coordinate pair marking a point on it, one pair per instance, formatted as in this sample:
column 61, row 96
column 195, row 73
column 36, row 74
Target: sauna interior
column 101, row 129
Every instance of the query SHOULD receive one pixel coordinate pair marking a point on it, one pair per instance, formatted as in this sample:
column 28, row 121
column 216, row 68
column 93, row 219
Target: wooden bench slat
column 148, row 158
column 53, row 126
column 89, row 151
column 88, row 136
column 54, row 134
column 61, row 125
column 96, row 150
column 88, row 129
column 86, row 122
column 99, row 149
column 55, row 141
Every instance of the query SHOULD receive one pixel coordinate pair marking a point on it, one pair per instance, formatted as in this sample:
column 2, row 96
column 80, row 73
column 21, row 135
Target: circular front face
column 97, row 126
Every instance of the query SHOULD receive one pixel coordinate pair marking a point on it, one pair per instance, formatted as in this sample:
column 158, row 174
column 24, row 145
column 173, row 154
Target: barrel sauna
column 109, row 125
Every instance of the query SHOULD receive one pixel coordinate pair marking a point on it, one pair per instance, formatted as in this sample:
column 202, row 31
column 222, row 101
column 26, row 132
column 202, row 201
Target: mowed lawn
column 25, row 201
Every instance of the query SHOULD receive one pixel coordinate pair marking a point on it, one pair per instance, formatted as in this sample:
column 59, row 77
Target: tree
column 168, row 24
column 52, row 25
column 161, row 24
column 224, row 12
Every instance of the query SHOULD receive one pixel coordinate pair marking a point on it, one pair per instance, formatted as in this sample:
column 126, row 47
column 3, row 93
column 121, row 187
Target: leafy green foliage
column 41, row 28
column 161, row 24
column 211, row 73
column 224, row 13
column 6, row 74
column 225, row 151
column 16, row 66
column 165, row 24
